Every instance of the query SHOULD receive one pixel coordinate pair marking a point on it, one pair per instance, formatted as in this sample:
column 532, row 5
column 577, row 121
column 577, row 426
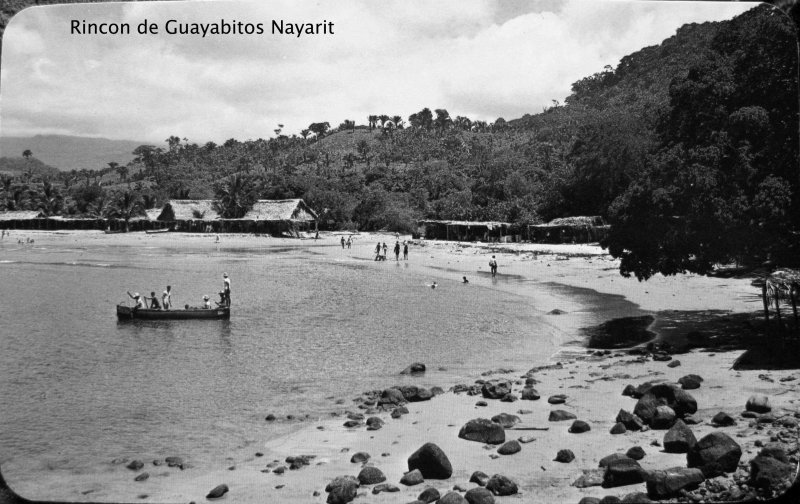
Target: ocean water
column 307, row 329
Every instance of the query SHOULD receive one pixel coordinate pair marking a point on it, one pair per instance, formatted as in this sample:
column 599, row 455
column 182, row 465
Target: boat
column 131, row 313
column 156, row 231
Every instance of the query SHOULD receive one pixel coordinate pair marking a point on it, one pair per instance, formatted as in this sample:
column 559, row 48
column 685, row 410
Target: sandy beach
column 592, row 382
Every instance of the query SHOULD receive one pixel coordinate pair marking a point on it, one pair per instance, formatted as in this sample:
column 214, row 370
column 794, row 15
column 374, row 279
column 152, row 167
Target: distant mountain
column 19, row 165
column 70, row 152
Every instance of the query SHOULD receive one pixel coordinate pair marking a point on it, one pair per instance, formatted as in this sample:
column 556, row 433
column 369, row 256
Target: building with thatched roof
column 293, row 210
column 464, row 230
column 579, row 229
column 188, row 210
column 20, row 215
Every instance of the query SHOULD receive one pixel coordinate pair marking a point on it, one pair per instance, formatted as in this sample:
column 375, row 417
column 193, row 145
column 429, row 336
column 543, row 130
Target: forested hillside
column 689, row 148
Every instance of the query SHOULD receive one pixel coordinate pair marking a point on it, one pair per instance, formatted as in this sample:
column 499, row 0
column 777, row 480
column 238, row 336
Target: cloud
column 479, row 58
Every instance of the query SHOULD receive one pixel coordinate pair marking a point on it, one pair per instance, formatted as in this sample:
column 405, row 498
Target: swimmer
column 464, row 280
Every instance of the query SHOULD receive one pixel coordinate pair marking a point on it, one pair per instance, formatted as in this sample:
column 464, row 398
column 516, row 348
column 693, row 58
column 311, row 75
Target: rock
column 479, row 478
column 142, row 477
column 506, row 420
column 371, row 475
column 412, row 393
column 690, row 381
column 629, row 420
column 557, row 399
column 392, row 396
column 679, row 438
column 483, row 430
column 758, row 403
column 589, row 500
column 565, row 456
column 775, row 451
column 769, row 473
column 671, row 482
column 501, row 485
column 722, row 419
column 590, row 478
column 635, row 452
column 412, row 478
column 605, row 461
column 674, row 364
column 661, row 356
column 496, row 389
column 621, row 472
column 629, row 390
column 359, row 457
column 510, row 448
column 530, row 394
column 715, row 453
column 217, row 492
column 352, row 423
column 664, row 418
column 430, row 494
column 561, row 415
column 173, row 461
column 431, row 462
column 579, row 426
column 374, row 423
column 384, row 487
column 636, row 498
column 610, row 499
column 415, row 368
column 135, row 465
column 526, row 439
column 508, row 398
column 482, row 404
column 664, row 394
column 452, row 498
column 479, row 496
column 270, row 418
column 399, row 412
column 342, row 490
column 618, row 428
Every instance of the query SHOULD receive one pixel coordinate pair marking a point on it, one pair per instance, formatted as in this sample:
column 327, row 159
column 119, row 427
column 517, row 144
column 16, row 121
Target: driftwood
column 522, row 427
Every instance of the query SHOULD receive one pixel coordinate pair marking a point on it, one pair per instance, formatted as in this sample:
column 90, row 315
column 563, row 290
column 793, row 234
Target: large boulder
column 621, row 472
column 530, row 394
column 629, row 420
column 371, row 475
column 770, row 473
column 605, row 461
column 715, row 453
column 342, row 489
column 561, row 415
column 664, row 418
column 507, row 420
column 758, row 403
column 483, row 430
column 453, row 498
column 430, row 494
column 579, row 427
column 496, row 389
column 679, row 438
column 479, row 496
column 670, row 482
column 664, row 394
column 412, row 393
column 501, row 485
column 431, row 462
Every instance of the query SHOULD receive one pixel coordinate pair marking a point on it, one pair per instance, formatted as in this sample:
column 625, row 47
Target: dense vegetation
column 689, row 148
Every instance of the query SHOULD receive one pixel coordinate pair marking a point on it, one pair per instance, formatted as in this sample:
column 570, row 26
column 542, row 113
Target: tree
column 442, row 121
column 50, row 200
column 422, row 119
column 125, row 205
column 235, row 195
column 319, row 128
column 27, row 153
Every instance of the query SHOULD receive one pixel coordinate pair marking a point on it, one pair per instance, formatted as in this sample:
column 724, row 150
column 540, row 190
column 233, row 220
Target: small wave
column 7, row 261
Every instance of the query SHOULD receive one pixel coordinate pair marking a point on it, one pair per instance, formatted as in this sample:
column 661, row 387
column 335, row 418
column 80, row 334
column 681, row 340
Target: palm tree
column 125, row 206
column 50, row 201
column 235, row 196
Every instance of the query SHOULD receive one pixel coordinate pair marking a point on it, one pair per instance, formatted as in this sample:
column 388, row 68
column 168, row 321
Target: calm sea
column 79, row 388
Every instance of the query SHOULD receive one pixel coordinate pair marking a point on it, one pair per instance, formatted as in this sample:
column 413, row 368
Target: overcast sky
column 483, row 59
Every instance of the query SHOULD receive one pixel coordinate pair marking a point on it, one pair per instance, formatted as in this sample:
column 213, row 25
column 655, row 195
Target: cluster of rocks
column 429, row 462
column 138, row 465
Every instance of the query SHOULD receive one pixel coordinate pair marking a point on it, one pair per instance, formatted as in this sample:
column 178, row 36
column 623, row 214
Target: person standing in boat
column 206, row 303
column 226, row 288
column 166, row 298
column 138, row 299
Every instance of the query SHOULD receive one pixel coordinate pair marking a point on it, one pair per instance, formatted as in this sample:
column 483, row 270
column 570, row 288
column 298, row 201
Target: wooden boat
column 130, row 313
column 156, row 231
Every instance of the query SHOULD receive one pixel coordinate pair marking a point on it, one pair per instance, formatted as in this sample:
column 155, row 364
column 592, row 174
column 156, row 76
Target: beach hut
column 465, row 230
column 190, row 215
column 276, row 217
column 579, row 229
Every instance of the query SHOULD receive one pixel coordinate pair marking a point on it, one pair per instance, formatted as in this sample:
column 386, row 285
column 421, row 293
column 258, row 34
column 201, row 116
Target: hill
column 15, row 166
column 69, row 152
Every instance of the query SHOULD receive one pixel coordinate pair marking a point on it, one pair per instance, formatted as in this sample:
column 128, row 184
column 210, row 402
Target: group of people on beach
column 152, row 303
column 20, row 241
column 349, row 242
column 381, row 251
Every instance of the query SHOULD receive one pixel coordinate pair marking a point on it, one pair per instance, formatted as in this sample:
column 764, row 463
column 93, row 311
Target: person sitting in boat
column 138, row 299
column 154, row 305
column 222, row 303
column 206, row 303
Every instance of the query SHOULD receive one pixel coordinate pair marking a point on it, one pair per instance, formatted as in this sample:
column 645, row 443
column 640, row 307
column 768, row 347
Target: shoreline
column 590, row 382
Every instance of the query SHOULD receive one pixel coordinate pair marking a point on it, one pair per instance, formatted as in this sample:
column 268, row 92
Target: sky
column 482, row 59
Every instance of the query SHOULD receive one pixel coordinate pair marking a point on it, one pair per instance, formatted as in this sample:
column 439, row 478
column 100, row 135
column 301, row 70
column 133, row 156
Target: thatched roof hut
column 189, row 210
column 290, row 210
column 464, row 230
column 578, row 229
